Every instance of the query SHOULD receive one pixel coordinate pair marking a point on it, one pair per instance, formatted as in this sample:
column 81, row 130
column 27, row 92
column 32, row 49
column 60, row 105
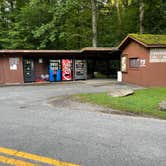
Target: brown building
column 143, row 59
column 21, row 66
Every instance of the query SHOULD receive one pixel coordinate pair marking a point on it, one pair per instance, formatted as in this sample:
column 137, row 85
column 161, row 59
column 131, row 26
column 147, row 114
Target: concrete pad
column 121, row 92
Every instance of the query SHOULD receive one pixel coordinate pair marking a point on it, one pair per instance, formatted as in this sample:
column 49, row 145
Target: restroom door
column 28, row 66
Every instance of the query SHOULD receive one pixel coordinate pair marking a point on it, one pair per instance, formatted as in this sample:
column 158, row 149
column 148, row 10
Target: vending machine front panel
column 67, row 69
column 55, row 70
column 80, row 70
column 28, row 67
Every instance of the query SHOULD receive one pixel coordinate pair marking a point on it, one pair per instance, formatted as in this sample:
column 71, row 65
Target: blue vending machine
column 58, row 75
column 55, row 70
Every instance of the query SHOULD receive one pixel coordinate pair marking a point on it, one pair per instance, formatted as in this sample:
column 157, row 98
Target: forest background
column 74, row 24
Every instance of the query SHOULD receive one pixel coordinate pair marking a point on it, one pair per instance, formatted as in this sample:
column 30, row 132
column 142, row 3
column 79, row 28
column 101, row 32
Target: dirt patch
column 72, row 103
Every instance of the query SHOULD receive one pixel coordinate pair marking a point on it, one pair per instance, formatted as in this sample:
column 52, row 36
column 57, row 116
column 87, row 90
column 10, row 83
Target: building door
column 28, row 66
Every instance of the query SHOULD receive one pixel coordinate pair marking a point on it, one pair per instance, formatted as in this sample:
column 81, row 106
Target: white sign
column 157, row 55
column 40, row 60
column 123, row 64
column 13, row 62
column 142, row 63
column 13, row 67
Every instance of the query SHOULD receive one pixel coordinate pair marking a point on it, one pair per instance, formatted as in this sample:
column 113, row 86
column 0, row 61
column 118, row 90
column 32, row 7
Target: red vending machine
column 67, row 72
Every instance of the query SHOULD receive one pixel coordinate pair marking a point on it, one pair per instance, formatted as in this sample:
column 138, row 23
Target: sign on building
column 157, row 55
column 13, row 62
column 124, row 64
column 142, row 63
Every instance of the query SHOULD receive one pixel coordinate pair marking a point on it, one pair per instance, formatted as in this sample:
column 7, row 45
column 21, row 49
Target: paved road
column 77, row 134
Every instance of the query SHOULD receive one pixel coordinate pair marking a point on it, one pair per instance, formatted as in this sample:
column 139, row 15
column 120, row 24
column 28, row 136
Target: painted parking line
column 33, row 157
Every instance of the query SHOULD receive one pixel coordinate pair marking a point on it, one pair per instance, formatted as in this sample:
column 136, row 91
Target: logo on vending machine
column 66, row 69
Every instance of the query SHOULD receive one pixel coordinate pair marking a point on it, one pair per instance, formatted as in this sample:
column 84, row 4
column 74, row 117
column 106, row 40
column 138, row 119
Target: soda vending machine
column 80, row 70
column 55, row 70
column 67, row 69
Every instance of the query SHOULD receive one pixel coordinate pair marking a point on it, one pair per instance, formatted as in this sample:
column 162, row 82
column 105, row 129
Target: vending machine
column 80, row 70
column 55, row 70
column 67, row 69
column 28, row 67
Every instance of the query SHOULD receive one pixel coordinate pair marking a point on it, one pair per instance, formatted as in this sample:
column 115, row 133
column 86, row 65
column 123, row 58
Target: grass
column 143, row 102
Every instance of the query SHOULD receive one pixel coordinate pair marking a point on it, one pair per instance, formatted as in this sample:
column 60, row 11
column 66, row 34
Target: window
column 134, row 62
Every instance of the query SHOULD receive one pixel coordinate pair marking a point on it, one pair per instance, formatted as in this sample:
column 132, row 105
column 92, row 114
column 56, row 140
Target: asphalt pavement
column 76, row 134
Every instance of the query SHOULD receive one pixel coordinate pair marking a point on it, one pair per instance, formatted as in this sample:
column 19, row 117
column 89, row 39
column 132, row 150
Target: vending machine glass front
column 67, row 69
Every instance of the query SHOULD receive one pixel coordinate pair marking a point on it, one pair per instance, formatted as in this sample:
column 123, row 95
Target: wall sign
column 157, row 55
column 40, row 60
column 142, row 63
column 13, row 62
column 124, row 64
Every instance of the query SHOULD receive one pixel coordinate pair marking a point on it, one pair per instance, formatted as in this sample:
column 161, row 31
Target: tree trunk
column 118, row 11
column 94, row 23
column 141, row 16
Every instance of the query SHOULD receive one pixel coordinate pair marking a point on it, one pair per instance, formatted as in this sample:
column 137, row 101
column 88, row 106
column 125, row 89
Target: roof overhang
column 39, row 51
column 81, row 53
column 87, row 49
column 100, row 49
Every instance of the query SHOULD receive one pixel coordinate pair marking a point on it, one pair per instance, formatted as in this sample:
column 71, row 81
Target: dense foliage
column 67, row 24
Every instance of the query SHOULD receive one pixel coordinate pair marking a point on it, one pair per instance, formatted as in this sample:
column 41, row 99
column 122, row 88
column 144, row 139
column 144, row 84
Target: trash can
column 119, row 78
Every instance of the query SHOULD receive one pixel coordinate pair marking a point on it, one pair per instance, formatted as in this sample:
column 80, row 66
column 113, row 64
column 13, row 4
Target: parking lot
column 72, row 132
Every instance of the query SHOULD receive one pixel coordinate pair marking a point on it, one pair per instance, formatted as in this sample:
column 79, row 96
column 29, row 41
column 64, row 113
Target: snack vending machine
column 28, row 67
column 67, row 69
column 80, row 70
column 55, row 70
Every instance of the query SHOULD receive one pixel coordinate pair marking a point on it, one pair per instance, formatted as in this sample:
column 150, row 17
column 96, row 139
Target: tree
column 118, row 11
column 94, row 23
column 68, row 24
column 141, row 16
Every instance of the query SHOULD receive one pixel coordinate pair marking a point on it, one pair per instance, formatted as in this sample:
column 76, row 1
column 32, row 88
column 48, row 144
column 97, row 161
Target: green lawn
column 143, row 102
